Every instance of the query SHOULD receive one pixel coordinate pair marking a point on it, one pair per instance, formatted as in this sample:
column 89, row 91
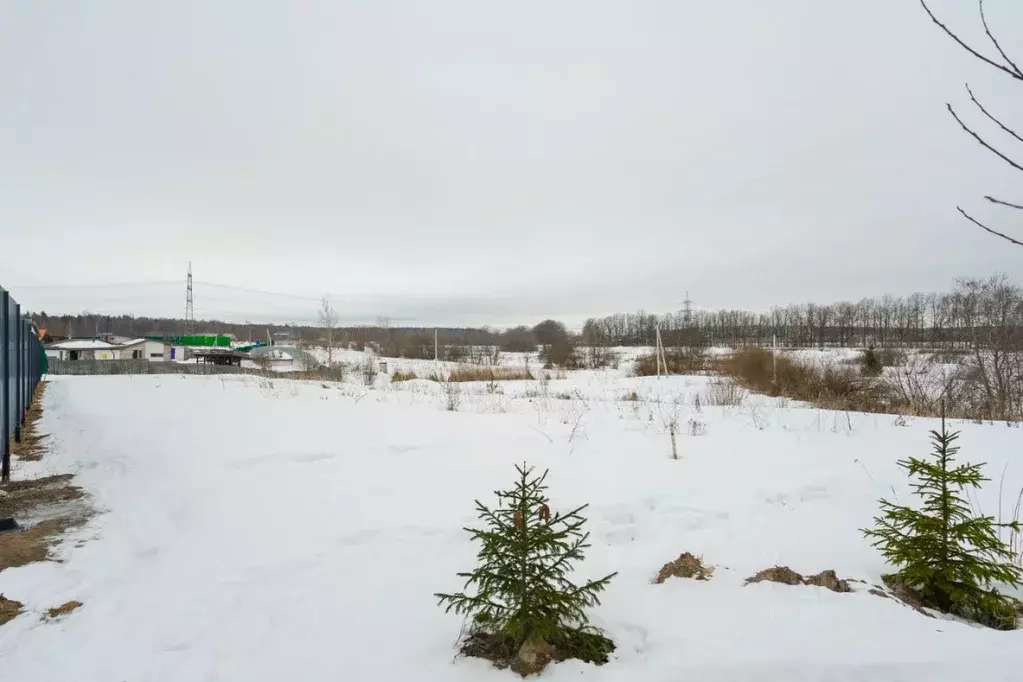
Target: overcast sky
column 477, row 162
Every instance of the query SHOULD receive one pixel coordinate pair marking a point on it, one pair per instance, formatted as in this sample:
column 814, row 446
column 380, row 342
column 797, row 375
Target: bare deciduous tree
column 328, row 322
column 1004, row 63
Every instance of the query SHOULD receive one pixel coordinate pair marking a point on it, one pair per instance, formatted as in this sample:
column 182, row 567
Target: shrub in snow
column 950, row 558
column 525, row 611
column 452, row 396
column 871, row 364
column 369, row 371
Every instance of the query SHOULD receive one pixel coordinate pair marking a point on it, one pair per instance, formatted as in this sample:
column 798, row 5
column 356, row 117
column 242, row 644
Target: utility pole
column 436, row 355
column 189, row 304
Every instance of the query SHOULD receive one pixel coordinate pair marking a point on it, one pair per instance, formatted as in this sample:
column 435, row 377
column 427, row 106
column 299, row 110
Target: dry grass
column 836, row 388
column 452, row 396
column 21, row 547
column 64, row 609
column 23, row 495
column 52, row 499
column 686, row 566
column 403, row 375
column 463, row 373
column 32, row 444
column 724, row 393
column 9, row 609
column 677, row 360
column 696, row 427
column 335, row 374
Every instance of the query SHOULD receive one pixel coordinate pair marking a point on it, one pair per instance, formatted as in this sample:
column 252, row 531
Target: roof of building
column 81, row 344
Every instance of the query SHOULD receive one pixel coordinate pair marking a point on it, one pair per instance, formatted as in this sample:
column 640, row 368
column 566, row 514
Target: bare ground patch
column 42, row 508
column 33, row 443
column 532, row 657
column 9, row 609
column 786, row 576
column 20, row 497
column 64, row 609
column 904, row 594
column 686, row 566
column 32, row 544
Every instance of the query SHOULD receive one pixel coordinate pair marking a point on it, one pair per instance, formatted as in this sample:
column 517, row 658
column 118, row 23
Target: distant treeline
column 969, row 315
column 972, row 312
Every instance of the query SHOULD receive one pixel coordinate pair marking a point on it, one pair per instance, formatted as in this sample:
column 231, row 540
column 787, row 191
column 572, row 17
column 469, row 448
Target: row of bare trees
column 967, row 316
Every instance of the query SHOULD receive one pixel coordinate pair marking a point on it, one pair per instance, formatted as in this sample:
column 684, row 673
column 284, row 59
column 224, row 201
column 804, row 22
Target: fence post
column 18, row 369
column 5, row 387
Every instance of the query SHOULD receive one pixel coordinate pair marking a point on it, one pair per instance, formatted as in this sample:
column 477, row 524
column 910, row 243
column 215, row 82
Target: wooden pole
column 774, row 361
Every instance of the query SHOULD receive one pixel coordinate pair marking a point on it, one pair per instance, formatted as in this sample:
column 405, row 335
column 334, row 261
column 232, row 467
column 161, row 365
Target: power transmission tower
column 189, row 303
column 687, row 320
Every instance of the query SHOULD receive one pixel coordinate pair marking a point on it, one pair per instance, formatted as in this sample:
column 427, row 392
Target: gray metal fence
column 106, row 367
column 22, row 363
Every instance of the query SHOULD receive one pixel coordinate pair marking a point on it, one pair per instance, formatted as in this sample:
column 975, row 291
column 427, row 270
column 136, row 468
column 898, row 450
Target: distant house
column 97, row 349
column 144, row 349
column 82, row 349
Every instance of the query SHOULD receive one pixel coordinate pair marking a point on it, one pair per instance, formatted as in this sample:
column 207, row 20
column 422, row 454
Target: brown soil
column 829, row 580
column 18, row 497
column 31, row 544
column 900, row 593
column 63, row 609
column 32, row 445
column 686, row 566
column 786, row 576
column 531, row 659
column 43, row 507
column 9, row 609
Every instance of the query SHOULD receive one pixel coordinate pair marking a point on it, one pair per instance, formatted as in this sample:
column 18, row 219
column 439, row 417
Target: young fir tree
column 947, row 555
column 523, row 593
column 871, row 364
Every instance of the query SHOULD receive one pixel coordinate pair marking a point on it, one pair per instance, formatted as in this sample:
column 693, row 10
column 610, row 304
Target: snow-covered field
column 258, row 530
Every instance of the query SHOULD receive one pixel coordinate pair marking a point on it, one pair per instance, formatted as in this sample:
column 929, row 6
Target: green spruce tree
column 871, row 364
column 948, row 556
column 523, row 594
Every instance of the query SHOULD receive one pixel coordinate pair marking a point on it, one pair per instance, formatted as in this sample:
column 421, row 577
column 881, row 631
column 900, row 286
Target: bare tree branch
column 1001, row 67
column 988, row 229
column 985, row 111
column 981, row 140
column 1003, row 203
column 994, row 41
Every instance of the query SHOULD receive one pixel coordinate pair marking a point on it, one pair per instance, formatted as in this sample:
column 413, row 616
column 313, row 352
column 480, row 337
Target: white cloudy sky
column 473, row 161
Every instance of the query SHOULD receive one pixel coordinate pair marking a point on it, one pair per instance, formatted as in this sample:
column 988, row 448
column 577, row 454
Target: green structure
column 196, row 340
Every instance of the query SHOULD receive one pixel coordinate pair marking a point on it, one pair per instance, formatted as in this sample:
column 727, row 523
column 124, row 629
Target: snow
column 81, row 344
column 302, row 533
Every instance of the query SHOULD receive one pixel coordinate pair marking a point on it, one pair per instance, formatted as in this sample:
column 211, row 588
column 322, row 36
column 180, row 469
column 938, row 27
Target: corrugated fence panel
column 21, row 364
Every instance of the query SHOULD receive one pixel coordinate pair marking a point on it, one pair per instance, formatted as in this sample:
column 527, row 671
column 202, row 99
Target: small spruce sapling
column 523, row 594
column 950, row 557
column 871, row 364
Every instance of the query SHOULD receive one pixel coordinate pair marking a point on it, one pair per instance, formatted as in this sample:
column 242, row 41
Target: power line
column 204, row 283
column 99, row 286
column 262, row 292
